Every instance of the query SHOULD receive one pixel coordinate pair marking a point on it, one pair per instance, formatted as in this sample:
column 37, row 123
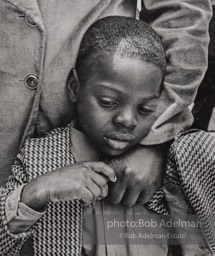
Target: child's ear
column 73, row 85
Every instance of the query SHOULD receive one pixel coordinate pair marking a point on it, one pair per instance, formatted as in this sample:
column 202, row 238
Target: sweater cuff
column 19, row 216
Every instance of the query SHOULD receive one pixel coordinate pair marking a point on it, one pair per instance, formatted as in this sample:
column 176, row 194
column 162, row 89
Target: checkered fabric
column 191, row 167
column 58, row 232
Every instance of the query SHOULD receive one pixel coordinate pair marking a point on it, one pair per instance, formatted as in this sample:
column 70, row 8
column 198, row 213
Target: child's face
column 117, row 103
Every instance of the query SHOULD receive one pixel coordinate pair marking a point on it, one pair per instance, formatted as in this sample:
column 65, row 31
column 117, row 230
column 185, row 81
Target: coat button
column 29, row 21
column 31, row 82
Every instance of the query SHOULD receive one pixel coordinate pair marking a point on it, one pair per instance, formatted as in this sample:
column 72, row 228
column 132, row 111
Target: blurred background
column 204, row 107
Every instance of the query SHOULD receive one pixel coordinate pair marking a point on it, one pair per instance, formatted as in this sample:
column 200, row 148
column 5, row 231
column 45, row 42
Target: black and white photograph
column 107, row 127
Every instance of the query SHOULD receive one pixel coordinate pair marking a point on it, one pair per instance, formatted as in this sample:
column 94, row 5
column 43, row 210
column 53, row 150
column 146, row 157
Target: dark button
column 29, row 21
column 31, row 82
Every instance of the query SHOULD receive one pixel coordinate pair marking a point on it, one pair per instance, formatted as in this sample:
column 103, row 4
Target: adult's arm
column 183, row 27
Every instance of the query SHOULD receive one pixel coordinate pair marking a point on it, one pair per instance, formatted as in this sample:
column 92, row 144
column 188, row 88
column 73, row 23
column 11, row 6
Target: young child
column 116, row 87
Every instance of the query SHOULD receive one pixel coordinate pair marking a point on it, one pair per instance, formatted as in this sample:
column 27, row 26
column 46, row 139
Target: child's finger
column 94, row 189
column 101, row 167
column 101, row 182
column 86, row 196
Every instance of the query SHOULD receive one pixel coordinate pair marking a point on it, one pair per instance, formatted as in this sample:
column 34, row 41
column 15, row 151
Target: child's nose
column 126, row 118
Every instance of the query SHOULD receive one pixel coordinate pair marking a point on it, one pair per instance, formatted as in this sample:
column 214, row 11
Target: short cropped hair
column 123, row 36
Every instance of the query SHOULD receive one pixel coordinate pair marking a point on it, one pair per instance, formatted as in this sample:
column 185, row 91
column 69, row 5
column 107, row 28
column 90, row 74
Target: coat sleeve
column 183, row 27
column 189, row 186
column 10, row 243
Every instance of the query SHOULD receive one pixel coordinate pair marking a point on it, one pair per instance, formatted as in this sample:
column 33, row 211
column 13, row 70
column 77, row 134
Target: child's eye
column 144, row 110
column 107, row 102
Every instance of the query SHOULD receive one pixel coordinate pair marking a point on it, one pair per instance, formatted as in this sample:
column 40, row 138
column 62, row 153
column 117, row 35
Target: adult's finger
column 144, row 198
column 116, row 191
column 131, row 196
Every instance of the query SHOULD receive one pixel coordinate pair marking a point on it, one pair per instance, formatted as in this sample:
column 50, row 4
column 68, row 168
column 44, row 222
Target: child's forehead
column 105, row 60
column 124, row 74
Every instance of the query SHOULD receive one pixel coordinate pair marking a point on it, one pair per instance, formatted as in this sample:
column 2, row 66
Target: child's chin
column 114, row 152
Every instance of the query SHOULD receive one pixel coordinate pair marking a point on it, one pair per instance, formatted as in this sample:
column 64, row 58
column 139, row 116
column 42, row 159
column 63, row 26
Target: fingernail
column 114, row 179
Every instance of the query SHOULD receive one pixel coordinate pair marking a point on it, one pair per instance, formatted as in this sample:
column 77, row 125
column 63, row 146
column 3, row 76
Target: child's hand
column 86, row 181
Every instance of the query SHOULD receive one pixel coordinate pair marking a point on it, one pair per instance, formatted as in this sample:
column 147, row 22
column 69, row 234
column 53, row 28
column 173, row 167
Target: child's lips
column 118, row 140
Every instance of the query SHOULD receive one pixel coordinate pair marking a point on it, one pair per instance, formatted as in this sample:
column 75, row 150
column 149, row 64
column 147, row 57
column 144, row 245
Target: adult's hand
column 139, row 173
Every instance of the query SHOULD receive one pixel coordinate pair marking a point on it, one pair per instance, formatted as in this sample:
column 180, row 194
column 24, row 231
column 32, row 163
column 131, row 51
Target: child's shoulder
column 56, row 133
column 40, row 151
column 40, row 155
column 53, row 140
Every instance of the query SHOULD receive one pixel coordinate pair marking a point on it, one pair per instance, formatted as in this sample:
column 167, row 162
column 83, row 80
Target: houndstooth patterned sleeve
column 10, row 243
column 191, row 167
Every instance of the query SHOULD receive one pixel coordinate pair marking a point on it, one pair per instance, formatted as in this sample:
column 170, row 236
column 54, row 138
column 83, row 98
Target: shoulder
column 54, row 144
column 58, row 135
column 193, row 145
column 53, row 151
column 194, row 138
